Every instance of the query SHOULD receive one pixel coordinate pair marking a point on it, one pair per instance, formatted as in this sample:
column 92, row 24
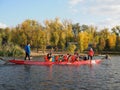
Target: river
column 103, row 76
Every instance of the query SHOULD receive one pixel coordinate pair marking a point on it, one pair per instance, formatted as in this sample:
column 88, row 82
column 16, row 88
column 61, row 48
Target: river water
column 103, row 76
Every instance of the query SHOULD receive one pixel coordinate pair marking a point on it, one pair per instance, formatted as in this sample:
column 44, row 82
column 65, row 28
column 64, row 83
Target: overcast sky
column 101, row 13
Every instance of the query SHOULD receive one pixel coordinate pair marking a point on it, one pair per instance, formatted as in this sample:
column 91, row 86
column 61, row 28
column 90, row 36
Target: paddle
column 6, row 61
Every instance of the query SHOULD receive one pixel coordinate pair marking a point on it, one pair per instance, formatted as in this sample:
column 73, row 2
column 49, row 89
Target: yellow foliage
column 112, row 40
column 83, row 40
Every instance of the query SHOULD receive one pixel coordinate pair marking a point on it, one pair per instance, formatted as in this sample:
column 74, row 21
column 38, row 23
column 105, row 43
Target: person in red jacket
column 90, row 54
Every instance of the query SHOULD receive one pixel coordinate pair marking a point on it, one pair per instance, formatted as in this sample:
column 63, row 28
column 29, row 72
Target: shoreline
column 41, row 54
column 63, row 53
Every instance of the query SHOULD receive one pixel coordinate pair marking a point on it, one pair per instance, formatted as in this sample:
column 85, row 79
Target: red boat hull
column 55, row 63
column 30, row 62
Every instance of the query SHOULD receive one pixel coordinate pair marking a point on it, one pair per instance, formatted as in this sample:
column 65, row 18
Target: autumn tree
column 67, row 28
column 101, row 44
column 116, row 30
column 8, row 34
column 71, row 48
column 112, row 41
column 62, row 40
column 53, row 27
column 57, row 33
column 83, row 41
column 76, row 30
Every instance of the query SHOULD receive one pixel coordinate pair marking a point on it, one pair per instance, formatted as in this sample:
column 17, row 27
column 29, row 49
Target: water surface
column 104, row 76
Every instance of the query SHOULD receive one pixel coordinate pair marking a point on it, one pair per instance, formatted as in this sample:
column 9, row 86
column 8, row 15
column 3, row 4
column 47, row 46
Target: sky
column 100, row 13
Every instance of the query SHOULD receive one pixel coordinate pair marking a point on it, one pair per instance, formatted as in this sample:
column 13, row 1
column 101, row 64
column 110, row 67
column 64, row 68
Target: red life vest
column 65, row 58
column 46, row 59
column 91, row 53
column 73, row 58
column 56, row 58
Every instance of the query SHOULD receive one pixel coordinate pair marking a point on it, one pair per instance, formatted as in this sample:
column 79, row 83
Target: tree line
column 63, row 35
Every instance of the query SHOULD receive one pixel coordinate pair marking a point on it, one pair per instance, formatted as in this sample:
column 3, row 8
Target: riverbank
column 45, row 53
column 40, row 53
column 111, row 52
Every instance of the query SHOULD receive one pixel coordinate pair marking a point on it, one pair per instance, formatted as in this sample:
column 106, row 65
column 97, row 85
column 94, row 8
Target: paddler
column 27, row 51
column 49, row 57
column 90, row 54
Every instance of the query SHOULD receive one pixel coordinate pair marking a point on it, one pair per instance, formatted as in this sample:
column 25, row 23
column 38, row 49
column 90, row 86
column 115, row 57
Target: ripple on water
column 105, row 76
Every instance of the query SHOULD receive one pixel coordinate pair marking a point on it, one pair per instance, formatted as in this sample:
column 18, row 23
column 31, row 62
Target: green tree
column 76, row 30
column 8, row 35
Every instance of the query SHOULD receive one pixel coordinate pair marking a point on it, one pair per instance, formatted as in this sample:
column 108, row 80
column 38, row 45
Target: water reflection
column 50, row 72
column 27, row 77
column 27, row 68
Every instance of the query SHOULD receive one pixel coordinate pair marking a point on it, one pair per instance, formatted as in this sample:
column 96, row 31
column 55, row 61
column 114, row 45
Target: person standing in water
column 90, row 54
column 27, row 51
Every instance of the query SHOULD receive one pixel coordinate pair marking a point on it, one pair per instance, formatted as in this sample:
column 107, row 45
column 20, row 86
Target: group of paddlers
column 69, row 57
column 72, row 58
